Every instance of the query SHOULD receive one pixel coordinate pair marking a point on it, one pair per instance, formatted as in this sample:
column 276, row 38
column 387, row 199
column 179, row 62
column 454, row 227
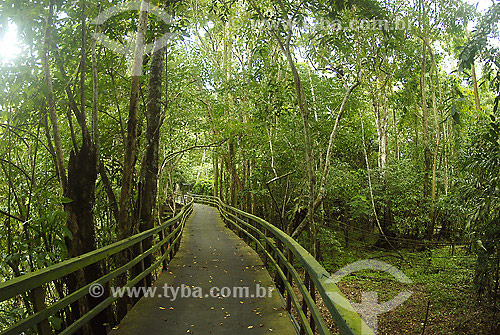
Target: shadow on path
column 210, row 255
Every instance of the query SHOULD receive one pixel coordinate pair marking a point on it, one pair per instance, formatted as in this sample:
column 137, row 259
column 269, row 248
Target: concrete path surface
column 211, row 257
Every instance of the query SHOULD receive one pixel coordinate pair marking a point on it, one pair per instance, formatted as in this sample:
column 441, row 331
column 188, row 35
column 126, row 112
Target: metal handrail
column 37, row 279
column 282, row 251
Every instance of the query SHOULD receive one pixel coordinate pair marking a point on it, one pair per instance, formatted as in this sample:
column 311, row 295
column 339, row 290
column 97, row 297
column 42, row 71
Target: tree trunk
column 226, row 189
column 216, row 174
column 425, row 130
column 246, row 184
column 302, row 102
column 221, row 180
column 82, row 175
column 381, row 114
column 304, row 111
column 149, row 167
column 232, row 166
column 59, row 156
column 252, row 194
column 382, row 122
column 433, row 214
column 79, row 186
column 396, row 136
column 123, row 224
column 326, row 168
column 476, row 92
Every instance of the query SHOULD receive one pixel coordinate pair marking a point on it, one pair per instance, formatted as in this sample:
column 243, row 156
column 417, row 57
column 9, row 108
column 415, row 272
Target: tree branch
column 196, row 146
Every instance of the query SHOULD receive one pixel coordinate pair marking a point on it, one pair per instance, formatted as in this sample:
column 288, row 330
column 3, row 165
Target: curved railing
column 169, row 233
column 282, row 252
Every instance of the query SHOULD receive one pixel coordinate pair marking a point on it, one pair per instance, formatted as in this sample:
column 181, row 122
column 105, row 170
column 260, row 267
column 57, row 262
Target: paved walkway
column 210, row 255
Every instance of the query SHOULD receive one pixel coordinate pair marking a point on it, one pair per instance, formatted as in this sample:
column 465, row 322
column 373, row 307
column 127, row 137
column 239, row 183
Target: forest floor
column 441, row 283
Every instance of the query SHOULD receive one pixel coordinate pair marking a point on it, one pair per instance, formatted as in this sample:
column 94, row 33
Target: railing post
column 289, row 279
column 304, row 304
column 178, row 242
column 161, row 234
column 312, row 292
column 247, row 238
column 253, row 224
column 279, row 281
column 268, row 248
column 142, row 263
column 170, row 230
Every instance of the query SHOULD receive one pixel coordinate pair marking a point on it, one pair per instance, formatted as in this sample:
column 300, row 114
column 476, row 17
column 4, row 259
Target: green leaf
column 65, row 200
column 454, row 114
column 67, row 232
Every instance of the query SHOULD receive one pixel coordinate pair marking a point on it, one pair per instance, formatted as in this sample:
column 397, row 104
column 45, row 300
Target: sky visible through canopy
column 10, row 45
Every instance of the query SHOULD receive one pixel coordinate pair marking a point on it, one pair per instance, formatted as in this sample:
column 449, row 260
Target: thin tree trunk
column 246, row 163
column 304, row 111
column 313, row 95
column 396, row 136
column 51, row 103
column 149, row 167
column 85, row 133
column 252, row 193
column 232, row 173
column 271, row 150
column 216, row 174
column 384, row 147
column 326, row 168
column 302, row 102
column 221, row 180
column 95, row 98
column 425, row 130
column 382, row 122
column 203, row 156
column 476, row 92
column 123, row 224
column 430, row 227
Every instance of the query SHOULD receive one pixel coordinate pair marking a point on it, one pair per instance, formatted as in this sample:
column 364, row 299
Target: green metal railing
column 169, row 234
column 282, row 252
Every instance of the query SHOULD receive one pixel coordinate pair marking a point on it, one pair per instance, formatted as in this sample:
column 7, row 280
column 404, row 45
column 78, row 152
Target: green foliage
column 481, row 194
column 204, row 187
column 226, row 80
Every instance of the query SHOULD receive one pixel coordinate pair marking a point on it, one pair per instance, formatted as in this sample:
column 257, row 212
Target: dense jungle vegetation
column 363, row 129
